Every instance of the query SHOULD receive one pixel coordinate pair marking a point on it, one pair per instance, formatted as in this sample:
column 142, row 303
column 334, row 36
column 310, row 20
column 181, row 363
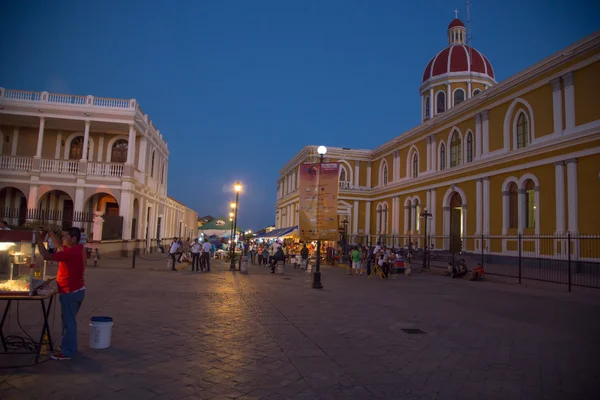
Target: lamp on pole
column 425, row 215
column 231, row 226
column 237, row 187
column 322, row 150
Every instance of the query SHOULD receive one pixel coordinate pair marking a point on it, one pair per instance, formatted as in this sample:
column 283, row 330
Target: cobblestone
column 218, row 335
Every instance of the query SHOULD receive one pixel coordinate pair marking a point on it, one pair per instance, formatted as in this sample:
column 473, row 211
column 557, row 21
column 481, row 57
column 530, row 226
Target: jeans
column 70, row 304
column 196, row 261
column 205, row 261
column 173, row 255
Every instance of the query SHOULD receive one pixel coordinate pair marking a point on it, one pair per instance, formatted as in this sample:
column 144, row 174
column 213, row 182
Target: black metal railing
column 566, row 259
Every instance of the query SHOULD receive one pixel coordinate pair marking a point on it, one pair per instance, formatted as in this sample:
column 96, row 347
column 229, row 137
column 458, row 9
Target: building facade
column 516, row 157
column 64, row 156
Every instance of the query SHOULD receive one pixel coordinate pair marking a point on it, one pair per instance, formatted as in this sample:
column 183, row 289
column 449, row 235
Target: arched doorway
column 108, row 206
column 13, row 206
column 56, row 206
column 456, row 222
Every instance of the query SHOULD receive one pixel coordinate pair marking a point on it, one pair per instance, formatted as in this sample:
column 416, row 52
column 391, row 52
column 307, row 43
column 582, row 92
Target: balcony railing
column 16, row 163
column 105, row 169
column 60, row 166
column 344, row 185
column 56, row 98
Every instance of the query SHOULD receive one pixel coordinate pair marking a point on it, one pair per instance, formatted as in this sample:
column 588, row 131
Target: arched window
column 442, row 156
column 385, row 176
column 118, row 153
column 476, row 92
column 459, row 96
column 441, row 102
column 152, row 165
column 76, row 149
column 415, row 166
column 529, row 204
column 427, row 107
column 522, row 131
column 469, row 147
column 513, row 206
column 342, row 174
column 455, row 150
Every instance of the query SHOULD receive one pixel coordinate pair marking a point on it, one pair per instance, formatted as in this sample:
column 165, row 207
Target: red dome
column 456, row 22
column 455, row 59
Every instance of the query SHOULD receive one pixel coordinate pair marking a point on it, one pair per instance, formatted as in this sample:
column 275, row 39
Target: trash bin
column 100, row 332
column 244, row 265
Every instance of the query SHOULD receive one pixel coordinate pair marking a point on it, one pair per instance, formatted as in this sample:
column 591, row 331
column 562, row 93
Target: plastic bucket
column 100, row 332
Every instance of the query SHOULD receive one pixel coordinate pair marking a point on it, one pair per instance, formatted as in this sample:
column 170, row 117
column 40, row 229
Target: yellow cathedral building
column 489, row 161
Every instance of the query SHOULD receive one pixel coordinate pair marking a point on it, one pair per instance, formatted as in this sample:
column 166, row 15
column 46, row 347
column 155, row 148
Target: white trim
column 465, row 147
column 464, row 96
column 450, row 191
column 383, row 164
column 70, row 139
column 449, row 153
column 409, row 162
column 445, row 102
column 111, row 142
column 439, row 156
column 426, row 100
column 509, row 116
column 476, row 90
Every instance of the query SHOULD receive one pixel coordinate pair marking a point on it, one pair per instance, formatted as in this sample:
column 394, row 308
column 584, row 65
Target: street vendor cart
column 23, row 278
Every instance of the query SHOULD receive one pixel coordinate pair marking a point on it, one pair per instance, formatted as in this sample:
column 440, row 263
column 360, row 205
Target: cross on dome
column 455, row 13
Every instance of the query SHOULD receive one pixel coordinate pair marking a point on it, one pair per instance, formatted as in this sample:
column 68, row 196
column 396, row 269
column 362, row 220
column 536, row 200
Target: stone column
column 559, row 194
column 406, row 218
column 486, row 205
column 431, row 104
column 368, row 218
column 32, row 198
column 86, row 139
column 429, row 153
column 131, row 146
column 448, row 97
column 505, row 212
column 569, row 102
column 368, row 174
column 40, row 140
column 100, row 150
column 433, row 153
column 125, row 206
column 58, row 145
column 356, row 173
column 478, row 136
column 478, row 206
column 486, row 133
column 355, row 218
column 413, row 219
column 572, row 197
column 522, row 205
column 446, row 227
column 557, row 109
column 432, row 209
column 15, row 141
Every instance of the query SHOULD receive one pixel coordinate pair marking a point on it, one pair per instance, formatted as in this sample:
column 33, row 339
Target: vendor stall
column 23, row 278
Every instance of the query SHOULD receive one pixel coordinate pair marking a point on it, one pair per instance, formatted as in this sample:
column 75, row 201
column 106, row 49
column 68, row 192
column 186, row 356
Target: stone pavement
column 261, row 336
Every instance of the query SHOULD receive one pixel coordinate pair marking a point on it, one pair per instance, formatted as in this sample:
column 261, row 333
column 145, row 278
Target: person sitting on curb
column 478, row 273
column 278, row 256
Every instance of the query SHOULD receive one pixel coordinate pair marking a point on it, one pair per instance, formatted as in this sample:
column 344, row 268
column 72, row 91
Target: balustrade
column 105, row 169
column 16, row 163
column 60, row 166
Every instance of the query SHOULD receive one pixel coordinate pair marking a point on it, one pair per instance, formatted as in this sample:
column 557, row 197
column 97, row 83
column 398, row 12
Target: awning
column 277, row 233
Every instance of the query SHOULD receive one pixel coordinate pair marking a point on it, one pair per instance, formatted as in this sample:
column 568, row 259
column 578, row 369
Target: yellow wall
column 587, row 87
column 588, row 181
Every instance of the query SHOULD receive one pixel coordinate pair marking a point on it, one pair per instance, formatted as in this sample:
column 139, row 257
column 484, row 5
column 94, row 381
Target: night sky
column 238, row 87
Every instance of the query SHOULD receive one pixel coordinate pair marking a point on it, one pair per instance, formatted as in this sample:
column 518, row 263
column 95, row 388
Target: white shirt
column 206, row 247
column 196, row 248
column 174, row 247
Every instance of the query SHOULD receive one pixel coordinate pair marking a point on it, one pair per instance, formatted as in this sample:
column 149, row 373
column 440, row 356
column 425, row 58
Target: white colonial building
column 84, row 158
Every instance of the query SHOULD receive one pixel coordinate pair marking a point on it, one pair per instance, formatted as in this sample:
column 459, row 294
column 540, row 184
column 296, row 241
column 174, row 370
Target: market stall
column 23, row 278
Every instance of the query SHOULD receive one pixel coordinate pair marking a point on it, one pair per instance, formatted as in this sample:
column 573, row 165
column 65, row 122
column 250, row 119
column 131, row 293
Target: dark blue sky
column 238, row 87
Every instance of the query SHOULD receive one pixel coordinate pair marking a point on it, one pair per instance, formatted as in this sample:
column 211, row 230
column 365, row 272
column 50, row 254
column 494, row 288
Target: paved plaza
column 224, row 335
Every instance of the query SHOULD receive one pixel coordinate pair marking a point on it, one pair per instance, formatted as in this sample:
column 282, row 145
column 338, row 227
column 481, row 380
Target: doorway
column 456, row 223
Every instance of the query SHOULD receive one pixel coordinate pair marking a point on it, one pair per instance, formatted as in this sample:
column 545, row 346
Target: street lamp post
column 231, row 223
column 425, row 215
column 322, row 150
column 345, row 222
column 238, row 188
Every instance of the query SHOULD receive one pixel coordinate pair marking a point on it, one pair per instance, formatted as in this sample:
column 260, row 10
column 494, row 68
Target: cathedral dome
column 458, row 58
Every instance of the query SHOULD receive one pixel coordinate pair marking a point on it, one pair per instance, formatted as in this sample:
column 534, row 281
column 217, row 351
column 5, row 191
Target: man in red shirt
column 71, row 259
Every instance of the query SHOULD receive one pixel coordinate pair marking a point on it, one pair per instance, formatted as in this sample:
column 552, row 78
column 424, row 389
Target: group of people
column 191, row 250
column 461, row 270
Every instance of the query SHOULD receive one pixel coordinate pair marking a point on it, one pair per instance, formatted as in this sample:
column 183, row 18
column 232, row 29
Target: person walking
column 205, row 260
column 71, row 257
column 196, row 255
column 173, row 252
column 355, row 256
column 304, row 256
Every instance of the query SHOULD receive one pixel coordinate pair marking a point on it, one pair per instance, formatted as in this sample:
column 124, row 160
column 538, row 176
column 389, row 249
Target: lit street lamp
column 235, row 206
column 322, row 150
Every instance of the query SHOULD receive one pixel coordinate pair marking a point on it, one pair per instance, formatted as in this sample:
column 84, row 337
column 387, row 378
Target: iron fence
column 567, row 259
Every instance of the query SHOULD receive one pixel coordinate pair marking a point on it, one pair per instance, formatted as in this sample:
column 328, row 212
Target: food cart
column 23, row 278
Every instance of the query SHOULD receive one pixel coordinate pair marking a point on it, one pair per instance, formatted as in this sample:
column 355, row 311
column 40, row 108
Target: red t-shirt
column 70, row 268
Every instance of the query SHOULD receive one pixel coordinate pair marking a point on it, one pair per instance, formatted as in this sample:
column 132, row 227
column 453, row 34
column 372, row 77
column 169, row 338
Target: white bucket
column 100, row 332
column 244, row 265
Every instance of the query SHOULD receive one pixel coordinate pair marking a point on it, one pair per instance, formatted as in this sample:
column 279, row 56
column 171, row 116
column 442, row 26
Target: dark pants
column 69, row 305
column 196, row 261
column 205, row 261
column 173, row 255
column 385, row 268
column 179, row 259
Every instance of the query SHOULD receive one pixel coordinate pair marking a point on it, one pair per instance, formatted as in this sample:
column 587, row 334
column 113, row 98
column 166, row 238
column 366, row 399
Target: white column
column 413, row 219
column 15, row 140
column 431, row 104
column 572, row 196
column 469, row 89
column 464, row 224
column 355, row 218
column 429, row 153
column 477, row 136
column 569, row 101
column 432, row 210
column 478, row 206
column 394, row 215
column 58, row 145
column 125, row 206
column 368, row 218
column 40, row 141
column 557, row 106
column 559, row 194
column 100, row 148
column 536, row 211
column 446, row 227
column 486, row 133
column 368, row 174
column 32, row 199
column 433, row 153
column 131, row 146
column 486, row 205
column 505, row 212
column 522, row 206
column 428, row 201
column 86, row 140
column 406, row 218
column 448, row 97
column 78, row 204
column 142, row 156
